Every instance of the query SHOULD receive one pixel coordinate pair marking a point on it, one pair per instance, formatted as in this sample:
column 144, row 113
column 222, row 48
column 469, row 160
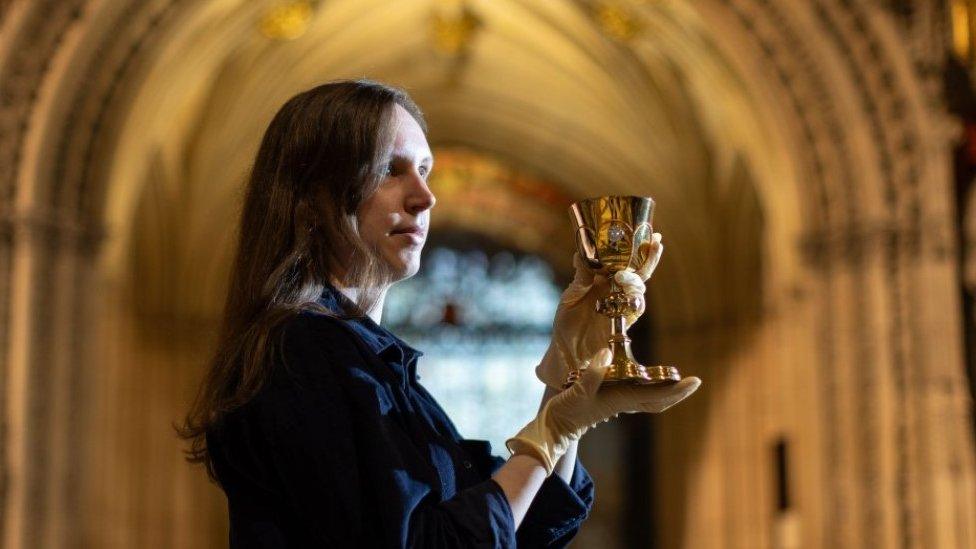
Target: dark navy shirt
column 342, row 447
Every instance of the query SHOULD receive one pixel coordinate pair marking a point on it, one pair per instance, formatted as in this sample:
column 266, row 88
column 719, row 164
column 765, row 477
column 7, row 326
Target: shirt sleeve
column 558, row 510
column 346, row 476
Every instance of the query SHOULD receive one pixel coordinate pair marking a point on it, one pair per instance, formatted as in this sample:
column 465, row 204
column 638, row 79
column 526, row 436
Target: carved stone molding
column 854, row 245
column 21, row 76
column 56, row 232
column 869, row 187
column 114, row 65
column 842, row 236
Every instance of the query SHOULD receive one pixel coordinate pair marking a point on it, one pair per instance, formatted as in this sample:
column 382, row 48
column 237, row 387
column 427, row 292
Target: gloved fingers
column 631, row 319
column 630, row 282
column 662, row 398
column 653, row 257
column 548, row 376
column 585, row 278
column 593, row 372
column 581, row 284
column 583, row 274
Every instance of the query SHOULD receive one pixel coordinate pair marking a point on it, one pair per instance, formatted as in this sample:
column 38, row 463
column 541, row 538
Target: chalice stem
column 619, row 341
column 617, row 327
column 623, row 366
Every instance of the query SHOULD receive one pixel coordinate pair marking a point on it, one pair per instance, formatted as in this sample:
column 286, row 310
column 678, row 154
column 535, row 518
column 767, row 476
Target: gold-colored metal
column 616, row 21
column 287, row 20
column 453, row 27
column 613, row 234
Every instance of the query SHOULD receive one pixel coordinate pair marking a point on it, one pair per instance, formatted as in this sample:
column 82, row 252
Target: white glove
column 568, row 415
column 578, row 330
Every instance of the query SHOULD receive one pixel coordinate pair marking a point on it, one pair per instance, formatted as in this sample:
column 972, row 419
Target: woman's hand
column 578, row 331
column 569, row 414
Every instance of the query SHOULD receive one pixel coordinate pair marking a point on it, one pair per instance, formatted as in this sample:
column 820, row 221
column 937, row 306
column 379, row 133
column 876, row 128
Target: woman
column 311, row 418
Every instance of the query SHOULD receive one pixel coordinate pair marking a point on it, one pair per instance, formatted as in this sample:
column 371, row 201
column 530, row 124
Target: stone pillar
column 49, row 260
column 860, row 375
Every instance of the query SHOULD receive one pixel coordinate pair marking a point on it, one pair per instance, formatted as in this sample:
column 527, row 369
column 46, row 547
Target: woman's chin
column 405, row 266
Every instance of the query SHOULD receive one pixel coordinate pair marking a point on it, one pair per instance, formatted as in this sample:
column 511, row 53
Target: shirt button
column 467, row 464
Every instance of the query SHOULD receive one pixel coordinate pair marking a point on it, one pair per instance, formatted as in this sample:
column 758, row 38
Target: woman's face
column 395, row 219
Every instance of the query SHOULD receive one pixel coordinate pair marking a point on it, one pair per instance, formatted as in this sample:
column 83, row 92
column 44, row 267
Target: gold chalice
column 613, row 233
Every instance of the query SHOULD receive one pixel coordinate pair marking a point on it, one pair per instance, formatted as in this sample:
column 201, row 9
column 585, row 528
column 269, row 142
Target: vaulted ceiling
column 598, row 99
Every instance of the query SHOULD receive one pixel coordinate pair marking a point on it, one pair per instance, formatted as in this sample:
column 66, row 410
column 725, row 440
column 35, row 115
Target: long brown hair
column 322, row 155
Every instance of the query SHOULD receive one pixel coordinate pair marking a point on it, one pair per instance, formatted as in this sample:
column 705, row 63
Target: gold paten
column 613, row 234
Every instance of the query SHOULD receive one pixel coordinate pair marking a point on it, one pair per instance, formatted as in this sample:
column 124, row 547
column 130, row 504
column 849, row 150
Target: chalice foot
column 624, row 370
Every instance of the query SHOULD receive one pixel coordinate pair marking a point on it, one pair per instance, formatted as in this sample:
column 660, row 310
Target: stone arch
column 848, row 248
column 872, row 142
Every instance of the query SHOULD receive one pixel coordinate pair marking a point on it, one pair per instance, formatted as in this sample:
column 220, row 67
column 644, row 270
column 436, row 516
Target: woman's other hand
column 568, row 415
column 578, row 331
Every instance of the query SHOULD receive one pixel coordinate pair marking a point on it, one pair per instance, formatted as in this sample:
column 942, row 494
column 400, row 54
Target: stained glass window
column 483, row 320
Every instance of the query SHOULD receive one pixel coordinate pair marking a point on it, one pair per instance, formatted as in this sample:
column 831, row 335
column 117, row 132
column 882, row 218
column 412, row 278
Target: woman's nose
column 420, row 197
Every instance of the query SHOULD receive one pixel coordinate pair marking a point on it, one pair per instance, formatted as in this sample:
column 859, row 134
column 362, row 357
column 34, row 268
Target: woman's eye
column 390, row 169
column 423, row 171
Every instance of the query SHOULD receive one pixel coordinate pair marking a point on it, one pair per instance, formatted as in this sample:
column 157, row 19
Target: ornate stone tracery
column 868, row 136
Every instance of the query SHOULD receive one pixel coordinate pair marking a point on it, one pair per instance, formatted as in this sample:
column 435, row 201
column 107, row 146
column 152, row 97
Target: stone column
column 48, row 264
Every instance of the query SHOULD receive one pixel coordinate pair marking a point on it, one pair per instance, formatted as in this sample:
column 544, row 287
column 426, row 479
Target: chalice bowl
column 613, row 233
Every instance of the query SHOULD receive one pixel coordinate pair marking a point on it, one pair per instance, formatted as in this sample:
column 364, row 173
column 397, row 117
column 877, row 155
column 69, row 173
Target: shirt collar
column 381, row 341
